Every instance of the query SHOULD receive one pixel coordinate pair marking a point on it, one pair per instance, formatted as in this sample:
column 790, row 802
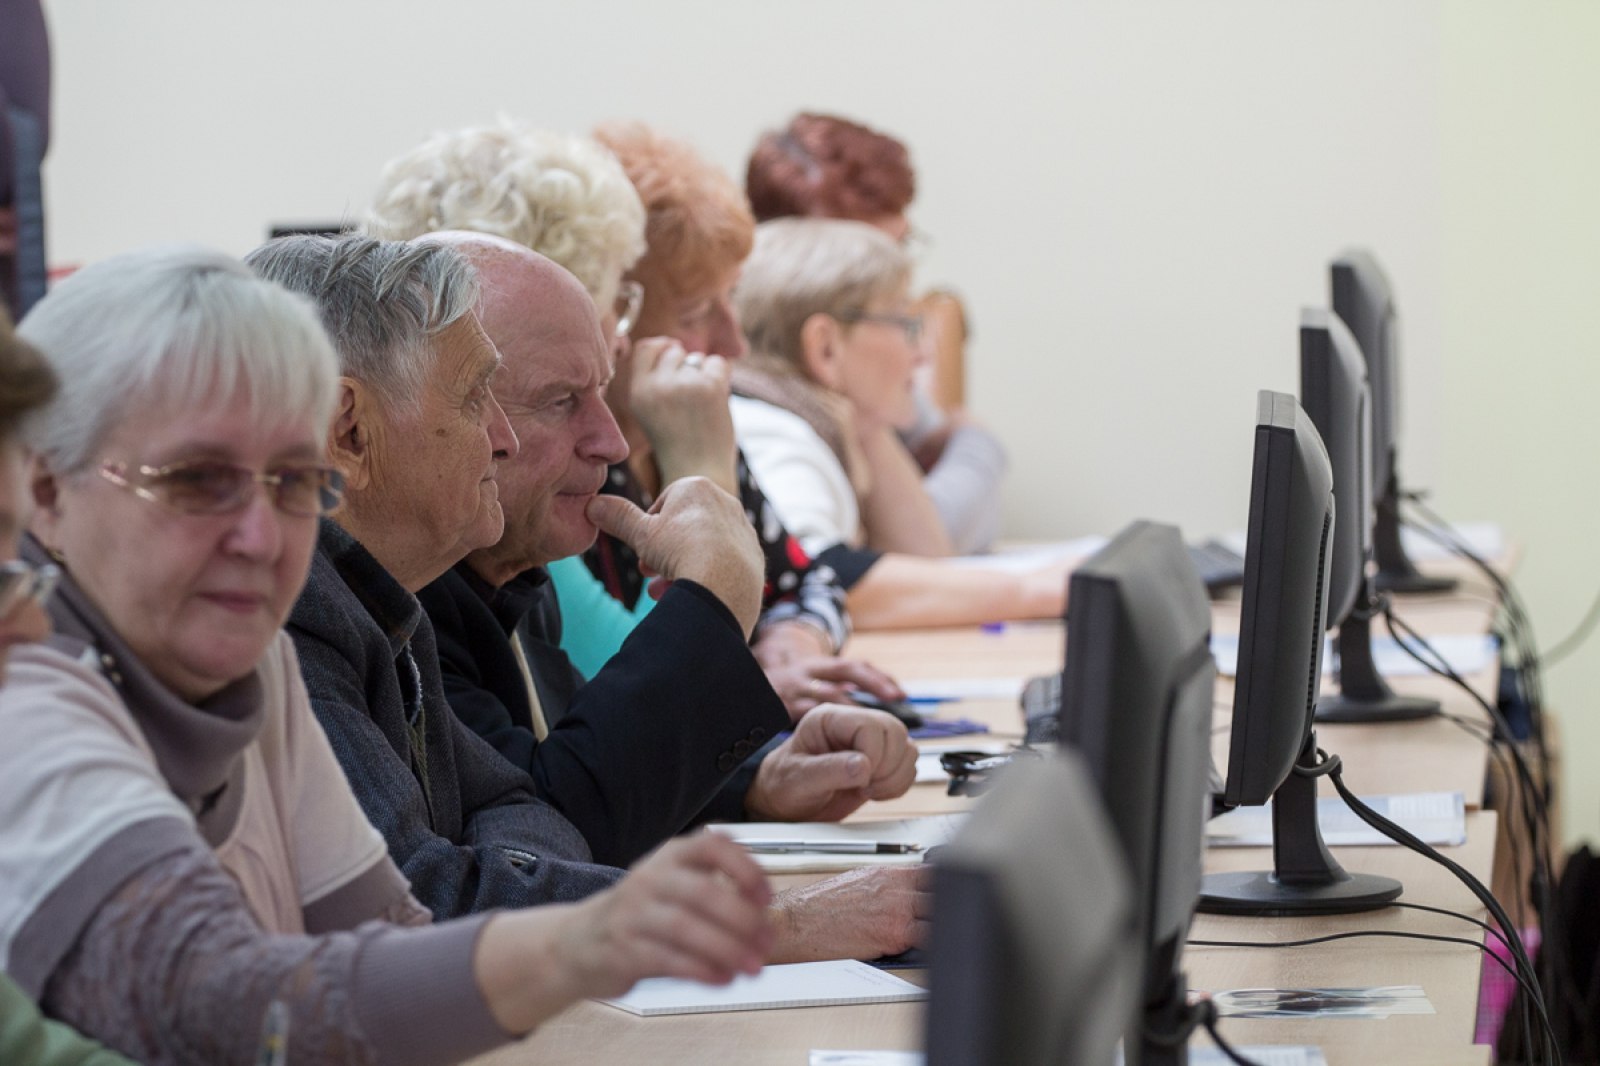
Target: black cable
column 1521, row 627
column 1536, row 813
column 1209, row 1020
column 1509, row 929
column 1357, row 934
column 1528, row 678
column 1574, row 640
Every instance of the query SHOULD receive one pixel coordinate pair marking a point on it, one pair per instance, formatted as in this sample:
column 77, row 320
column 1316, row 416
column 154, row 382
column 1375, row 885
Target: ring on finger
column 694, row 359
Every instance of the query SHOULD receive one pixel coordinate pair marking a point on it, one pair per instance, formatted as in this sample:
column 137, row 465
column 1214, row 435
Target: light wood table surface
column 1411, row 757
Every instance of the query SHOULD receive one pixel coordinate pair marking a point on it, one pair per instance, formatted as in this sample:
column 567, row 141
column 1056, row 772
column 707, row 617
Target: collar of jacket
column 396, row 611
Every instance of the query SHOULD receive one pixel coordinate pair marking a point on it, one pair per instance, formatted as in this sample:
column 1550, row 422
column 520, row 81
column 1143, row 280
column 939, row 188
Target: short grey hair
column 805, row 266
column 564, row 197
column 176, row 326
column 382, row 302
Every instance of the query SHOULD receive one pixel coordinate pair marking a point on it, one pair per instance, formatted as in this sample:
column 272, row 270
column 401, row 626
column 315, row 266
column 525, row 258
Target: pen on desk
column 830, row 847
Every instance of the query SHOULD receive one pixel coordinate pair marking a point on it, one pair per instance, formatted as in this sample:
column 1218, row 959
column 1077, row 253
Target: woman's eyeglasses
column 629, row 299
column 207, row 487
column 911, row 325
column 21, row 582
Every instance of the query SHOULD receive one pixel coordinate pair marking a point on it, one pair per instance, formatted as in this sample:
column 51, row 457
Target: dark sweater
column 656, row 740
column 461, row 822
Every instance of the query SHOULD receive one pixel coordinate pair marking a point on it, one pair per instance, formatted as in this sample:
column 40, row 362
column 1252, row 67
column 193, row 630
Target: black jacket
column 461, row 823
column 654, row 741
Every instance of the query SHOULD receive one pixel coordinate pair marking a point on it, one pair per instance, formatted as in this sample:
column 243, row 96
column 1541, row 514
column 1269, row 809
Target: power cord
column 1508, row 929
column 1200, row 1013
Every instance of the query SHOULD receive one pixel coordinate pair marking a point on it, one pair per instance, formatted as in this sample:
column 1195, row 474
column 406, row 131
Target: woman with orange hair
column 698, row 233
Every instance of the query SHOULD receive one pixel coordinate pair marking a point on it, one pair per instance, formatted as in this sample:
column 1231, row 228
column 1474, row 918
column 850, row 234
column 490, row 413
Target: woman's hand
column 695, row 908
column 681, row 401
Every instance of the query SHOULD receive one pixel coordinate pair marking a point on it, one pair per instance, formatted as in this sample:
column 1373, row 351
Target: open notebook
column 799, row 984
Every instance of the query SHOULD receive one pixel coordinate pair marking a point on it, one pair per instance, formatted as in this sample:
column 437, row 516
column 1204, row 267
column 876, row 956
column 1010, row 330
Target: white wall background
column 1134, row 197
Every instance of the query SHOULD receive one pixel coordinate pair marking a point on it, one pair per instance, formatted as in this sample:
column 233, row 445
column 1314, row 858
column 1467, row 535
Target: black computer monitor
column 1362, row 298
column 1334, row 394
column 1033, row 956
column 1283, row 614
column 1136, row 699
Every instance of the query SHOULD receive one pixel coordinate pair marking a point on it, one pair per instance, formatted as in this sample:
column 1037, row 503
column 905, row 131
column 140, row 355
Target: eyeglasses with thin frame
column 911, row 325
column 21, row 582
column 209, row 487
column 629, row 300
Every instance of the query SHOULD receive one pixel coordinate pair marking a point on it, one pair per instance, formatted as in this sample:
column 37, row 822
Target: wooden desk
column 1422, row 756
column 591, row 1033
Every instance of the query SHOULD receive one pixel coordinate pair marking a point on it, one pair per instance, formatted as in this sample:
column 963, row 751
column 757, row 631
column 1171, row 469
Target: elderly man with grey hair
column 634, row 753
column 417, row 435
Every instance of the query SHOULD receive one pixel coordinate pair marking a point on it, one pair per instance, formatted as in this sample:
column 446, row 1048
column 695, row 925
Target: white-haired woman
column 184, row 872
column 834, row 349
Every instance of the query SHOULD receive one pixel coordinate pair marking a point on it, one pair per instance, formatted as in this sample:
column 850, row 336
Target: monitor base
column 1261, row 894
column 1387, row 708
column 1405, row 583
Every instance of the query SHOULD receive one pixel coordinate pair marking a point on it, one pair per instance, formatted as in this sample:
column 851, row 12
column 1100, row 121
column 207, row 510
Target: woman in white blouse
column 834, row 349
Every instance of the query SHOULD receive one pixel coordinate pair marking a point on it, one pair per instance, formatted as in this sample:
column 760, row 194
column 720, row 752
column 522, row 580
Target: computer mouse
column 899, row 708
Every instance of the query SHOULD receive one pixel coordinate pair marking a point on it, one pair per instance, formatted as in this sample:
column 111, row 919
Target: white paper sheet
column 1439, row 818
column 1033, row 557
column 800, row 984
column 1465, row 653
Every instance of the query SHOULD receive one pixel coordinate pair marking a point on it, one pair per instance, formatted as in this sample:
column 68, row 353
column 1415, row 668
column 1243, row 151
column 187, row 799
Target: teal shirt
column 593, row 623
column 28, row 1038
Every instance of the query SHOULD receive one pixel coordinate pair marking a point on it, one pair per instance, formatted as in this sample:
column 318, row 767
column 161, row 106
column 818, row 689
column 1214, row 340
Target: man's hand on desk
column 836, row 760
column 868, row 912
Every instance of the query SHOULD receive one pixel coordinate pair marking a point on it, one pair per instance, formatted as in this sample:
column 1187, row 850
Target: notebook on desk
column 800, row 984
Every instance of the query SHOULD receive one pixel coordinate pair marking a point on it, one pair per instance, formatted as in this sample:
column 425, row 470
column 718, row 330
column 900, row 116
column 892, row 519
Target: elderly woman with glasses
column 569, row 199
column 185, row 873
column 824, row 166
column 829, row 378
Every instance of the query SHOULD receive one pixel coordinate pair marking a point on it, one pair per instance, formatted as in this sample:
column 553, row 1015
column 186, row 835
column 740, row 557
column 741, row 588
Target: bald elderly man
column 659, row 738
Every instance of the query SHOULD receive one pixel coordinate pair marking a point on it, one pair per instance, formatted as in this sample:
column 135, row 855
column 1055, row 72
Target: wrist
column 785, row 930
column 783, row 642
column 756, row 806
column 525, row 971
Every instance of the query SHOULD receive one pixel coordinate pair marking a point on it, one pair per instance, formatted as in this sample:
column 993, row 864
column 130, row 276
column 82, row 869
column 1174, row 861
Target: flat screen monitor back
column 1033, row 959
column 1333, row 392
column 1283, row 615
column 1136, row 700
column 1362, row 297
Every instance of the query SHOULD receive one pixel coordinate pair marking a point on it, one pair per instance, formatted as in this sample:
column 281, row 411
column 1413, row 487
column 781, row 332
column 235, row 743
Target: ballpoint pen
column 834, row 847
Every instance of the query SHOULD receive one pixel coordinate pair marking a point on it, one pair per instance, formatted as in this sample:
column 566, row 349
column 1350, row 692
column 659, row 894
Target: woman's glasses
column 910, row 324
column 208, row 487
column 21, row 582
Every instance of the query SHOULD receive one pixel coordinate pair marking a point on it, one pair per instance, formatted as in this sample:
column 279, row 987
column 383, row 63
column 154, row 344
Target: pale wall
column 1135, row 198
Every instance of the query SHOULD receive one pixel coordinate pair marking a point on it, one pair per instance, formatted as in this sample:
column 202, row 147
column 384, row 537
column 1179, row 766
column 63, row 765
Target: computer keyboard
column 1220, row 566
column 1041, row 708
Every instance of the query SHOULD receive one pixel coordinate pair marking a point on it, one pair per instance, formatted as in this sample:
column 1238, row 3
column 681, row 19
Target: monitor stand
column 1396, row 571
column 1305, row 878
column 1364, row 696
